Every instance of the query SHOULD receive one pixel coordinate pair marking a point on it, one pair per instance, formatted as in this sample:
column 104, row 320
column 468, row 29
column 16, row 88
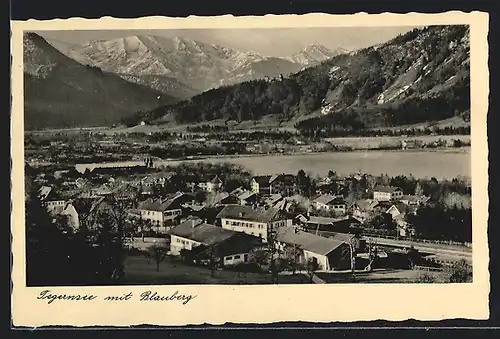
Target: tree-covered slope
column 420, row 76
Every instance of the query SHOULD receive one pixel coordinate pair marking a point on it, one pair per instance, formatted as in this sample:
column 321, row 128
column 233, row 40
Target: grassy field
column 386, row 276
column 269, row 122
column 174, row 272
column 386, row 141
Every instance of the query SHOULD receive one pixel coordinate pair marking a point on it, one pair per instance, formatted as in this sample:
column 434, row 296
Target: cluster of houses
column 229, row 226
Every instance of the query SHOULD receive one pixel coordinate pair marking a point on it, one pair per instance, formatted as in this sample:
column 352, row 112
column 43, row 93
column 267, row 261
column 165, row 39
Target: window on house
column 227, row 222
column 229, row 258
column 236, row 257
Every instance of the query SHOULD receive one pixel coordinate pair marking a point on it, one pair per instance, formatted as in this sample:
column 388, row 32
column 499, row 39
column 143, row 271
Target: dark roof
column 96, row 205
column 204, row 233
column 47, row 193
column 248, row 213
column 216, row 180
column 386, row 189
column 403, row 208
column 308, row 241
column 238, row 191
column 366, row 204
column 126, row 189
column 245, row 195
column 263, row 179
column 273, row 198
column 285, row 178
column 156, row 205
column 327, row 199
column 208, row 178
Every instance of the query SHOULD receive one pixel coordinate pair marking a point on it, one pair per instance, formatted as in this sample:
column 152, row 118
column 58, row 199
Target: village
column 280, row 225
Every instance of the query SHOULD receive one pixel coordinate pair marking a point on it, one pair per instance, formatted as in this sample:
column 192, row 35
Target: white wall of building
column 52, row 205
column 249, row 227
column 322, row 259
column 235, row 259
column 341, row 208
column 255, row 186
column 386, row 196
column 178, row 243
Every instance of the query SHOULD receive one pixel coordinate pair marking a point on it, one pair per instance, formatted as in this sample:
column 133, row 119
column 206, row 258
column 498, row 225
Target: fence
column 424, row 241
column 148, row 242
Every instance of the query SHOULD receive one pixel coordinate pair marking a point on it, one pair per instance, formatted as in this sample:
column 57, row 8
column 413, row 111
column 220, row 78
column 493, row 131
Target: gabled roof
column 47, row 193
column 248, row 213
column 219, row 197
column 386, row 189
column 216, row 180
column 263, row 180
column 283, row 177
column 246, row 195
column 402, row 208
column 95, row 206
column 320, row 220
column 416, row 198
column 308, row 241
column 201, row 232
column 327, row 199
column 155, row 205
column 283, row 205
column 366, row 204
column 273, row 198
column 209, row 178
column 126, row 189
column 238, row 191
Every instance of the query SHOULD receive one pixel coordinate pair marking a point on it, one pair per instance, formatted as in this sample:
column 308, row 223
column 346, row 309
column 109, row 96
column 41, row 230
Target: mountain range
column 315, row 54
column 423, row 75
column 60, row 92
column 183, row 67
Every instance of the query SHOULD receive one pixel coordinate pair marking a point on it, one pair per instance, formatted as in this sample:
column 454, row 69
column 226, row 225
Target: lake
column 437, row 163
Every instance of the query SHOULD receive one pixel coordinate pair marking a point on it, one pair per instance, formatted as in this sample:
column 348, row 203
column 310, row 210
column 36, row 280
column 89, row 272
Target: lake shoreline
column 417, row 163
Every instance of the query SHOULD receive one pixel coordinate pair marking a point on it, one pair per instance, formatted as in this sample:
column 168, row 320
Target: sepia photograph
column 248, row 156
column 282, row 156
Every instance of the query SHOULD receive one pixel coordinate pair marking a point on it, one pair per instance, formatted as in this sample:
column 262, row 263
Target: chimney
column 193, row 223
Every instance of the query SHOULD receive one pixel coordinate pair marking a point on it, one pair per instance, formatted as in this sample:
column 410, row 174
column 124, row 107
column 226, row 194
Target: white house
column 387, row 193
column 328, row 253
column 259, row 222
column 72, row 215
column 283, row 184
column 414, row 200
column 363, row 208
column 50, row 199
column 159, row 212
column 330, row 203
column 211, row 185
column 227, row 246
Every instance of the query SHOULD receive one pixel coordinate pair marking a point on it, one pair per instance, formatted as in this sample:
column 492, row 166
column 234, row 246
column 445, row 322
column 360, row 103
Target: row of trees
column 339, row 133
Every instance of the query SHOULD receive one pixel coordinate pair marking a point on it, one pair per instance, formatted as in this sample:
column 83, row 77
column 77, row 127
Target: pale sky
column 265, row 41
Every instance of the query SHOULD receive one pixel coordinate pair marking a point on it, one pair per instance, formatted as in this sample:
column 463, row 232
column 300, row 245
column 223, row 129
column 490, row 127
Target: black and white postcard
column 320, row 168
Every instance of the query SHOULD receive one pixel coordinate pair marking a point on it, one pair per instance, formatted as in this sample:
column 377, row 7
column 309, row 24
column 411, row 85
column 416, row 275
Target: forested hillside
column 59, row 92
column 420, row 76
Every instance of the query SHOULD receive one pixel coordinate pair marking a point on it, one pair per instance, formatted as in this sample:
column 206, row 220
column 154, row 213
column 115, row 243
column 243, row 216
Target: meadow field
column 361, row 143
